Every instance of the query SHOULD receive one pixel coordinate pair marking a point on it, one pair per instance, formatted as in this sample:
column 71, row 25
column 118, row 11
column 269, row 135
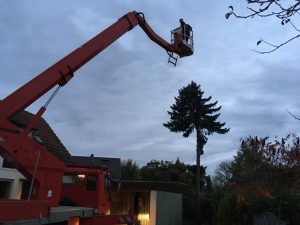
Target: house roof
column 53, row 144
column 113, row 164
column 46, row 134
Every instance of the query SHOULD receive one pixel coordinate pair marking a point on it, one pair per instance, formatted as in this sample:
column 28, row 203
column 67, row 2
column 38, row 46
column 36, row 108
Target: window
column 4, row 189
column 76, row 179
column 6, row 164
column 91, row 183
column 106, row 183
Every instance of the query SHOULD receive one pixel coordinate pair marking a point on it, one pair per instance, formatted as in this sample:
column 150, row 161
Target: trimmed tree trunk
column 198, row 155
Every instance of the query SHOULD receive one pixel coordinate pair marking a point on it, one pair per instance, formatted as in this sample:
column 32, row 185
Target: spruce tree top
column 192, row 112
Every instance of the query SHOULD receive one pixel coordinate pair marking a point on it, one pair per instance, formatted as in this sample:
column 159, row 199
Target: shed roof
column 140, row 186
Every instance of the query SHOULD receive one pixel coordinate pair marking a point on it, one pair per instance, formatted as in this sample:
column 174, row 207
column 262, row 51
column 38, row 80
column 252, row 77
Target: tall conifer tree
column 192, row 112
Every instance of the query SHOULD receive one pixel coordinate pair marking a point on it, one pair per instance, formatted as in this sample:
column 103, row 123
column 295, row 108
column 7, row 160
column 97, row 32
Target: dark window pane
column 106, row 183
column 91, row 183
column 6, row 164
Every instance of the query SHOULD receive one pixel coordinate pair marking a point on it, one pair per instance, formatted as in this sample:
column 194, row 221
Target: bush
column 223, row 212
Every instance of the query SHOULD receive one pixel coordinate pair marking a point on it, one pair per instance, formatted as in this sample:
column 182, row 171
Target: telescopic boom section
column 61, row 72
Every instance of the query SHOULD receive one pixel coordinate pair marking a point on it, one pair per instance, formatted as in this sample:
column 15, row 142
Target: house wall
column 14, row 178
column 165, row 208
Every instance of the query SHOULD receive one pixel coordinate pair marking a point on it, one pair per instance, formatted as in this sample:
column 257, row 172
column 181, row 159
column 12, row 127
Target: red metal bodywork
column 12, row 210
column 29, row 157
column 97, row 198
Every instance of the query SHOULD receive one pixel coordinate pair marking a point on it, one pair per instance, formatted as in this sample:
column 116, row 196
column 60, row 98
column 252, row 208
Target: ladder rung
column 172, row 58
column 174, row 63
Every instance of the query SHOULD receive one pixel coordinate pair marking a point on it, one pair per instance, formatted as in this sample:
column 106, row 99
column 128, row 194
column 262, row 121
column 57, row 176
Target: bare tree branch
column 297, row 118
column 294, row 26
column 271, row 8
column 275, row 46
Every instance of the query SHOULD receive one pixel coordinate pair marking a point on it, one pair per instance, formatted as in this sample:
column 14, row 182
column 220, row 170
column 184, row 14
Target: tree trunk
column 198, row 155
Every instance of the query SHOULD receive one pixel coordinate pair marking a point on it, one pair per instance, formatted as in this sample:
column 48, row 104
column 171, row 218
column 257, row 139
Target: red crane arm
column 32, row 159
column 61, row 72
column 156, row 38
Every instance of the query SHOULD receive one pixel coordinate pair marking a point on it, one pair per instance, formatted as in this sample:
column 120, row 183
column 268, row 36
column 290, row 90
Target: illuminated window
column 76, row 179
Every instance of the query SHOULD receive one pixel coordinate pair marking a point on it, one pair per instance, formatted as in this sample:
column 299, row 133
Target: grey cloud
column 116, row 104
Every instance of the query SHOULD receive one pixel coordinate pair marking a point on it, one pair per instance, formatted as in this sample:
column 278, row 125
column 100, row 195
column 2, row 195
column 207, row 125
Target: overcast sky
column 116, row 104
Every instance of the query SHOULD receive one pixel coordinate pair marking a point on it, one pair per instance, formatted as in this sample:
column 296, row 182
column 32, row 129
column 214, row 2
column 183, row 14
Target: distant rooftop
column 113, row 164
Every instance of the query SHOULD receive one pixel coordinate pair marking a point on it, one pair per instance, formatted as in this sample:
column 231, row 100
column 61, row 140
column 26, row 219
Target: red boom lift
column 48, row 175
